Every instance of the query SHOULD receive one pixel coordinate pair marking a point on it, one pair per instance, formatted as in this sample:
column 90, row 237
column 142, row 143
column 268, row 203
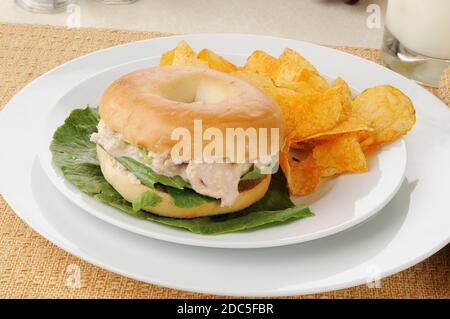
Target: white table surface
column 320, row 21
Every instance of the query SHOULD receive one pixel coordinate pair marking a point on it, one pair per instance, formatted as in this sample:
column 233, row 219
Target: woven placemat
column 32, row 267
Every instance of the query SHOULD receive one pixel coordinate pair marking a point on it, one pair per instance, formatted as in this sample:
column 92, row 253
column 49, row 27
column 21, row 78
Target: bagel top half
column 148, row 104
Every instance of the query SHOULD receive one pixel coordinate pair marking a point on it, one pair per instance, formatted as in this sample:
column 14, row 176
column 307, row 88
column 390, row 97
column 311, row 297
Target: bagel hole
column 201, row 90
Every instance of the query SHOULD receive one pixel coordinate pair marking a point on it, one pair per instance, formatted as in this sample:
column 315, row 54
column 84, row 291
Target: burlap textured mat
column 32, row 267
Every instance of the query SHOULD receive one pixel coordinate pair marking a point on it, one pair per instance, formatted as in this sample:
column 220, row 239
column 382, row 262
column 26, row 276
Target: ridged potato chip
column 299, row 87
column 353, row 124
column 350, row 121
column 167, row 58
column 371, row 149
column 291, row 70
column 216, row 61
column 318, row 82
column 314, row 113
column 260, row 62
column 340, row 155
column 302, row 176
column 182, row 55
column 262, row 82
column 387, row 110
column 304, row 100
column 297, row 62
column 346, row 96
column 293, row 67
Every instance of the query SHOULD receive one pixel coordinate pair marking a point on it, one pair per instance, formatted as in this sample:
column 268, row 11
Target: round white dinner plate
column 338, row 204
column 411, row 227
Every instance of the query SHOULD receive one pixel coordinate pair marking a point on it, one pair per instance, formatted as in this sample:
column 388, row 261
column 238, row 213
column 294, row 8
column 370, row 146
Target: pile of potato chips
column 328, row 131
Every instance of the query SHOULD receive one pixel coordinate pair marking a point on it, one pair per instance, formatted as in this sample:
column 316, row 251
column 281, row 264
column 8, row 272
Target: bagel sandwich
column 139, row 113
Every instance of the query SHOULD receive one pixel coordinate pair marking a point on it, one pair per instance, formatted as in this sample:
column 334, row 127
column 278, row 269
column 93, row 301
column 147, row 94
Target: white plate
column 338, row 204
column 414, row 225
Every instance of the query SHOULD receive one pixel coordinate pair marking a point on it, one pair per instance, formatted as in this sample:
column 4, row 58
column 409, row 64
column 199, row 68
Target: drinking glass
column 416, row 40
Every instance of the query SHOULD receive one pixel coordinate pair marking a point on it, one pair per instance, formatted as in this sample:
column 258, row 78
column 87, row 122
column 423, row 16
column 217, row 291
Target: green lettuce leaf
column 75, row 155
column 187, row 198
column 146, row 199
column 144, row 154
column 254, row 173
column 177, row 188
column 147, row 176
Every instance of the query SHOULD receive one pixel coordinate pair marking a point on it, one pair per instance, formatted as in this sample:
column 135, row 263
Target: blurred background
column 332, row 22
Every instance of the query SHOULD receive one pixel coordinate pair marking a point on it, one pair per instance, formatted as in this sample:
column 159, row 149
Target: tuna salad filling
column 217, row 180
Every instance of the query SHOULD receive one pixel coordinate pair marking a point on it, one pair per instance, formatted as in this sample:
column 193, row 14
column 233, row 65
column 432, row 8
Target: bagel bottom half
column 121, row 182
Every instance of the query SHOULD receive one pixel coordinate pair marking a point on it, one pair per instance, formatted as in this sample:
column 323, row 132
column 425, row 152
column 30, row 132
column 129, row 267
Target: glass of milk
column 44, row 6
column 417, row 39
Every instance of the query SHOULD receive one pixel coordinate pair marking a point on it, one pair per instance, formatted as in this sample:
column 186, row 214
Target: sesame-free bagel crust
column 147, row 105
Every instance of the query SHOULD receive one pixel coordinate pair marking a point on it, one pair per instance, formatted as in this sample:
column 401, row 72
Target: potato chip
column 310, row 114
column 261, row 81
column 167, row 58
column 318, row 82
column 290, row 56
column 216, row 61
column 292, row 67
column 387, row 110
column 297, row 145
column 346, row 95
column 289, row 101
column 182, row 55
column 340, row 155
column 353, row 124
column 346, row 91
column 371, row 149
column 302, row 176
column 306, row 114
column 301, row 103
column 260, row 62
column 348, row 121
column 300, row 87
column 290, row 71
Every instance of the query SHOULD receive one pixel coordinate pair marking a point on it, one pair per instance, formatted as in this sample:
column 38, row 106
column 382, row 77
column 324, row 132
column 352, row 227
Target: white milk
column 421, row 25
